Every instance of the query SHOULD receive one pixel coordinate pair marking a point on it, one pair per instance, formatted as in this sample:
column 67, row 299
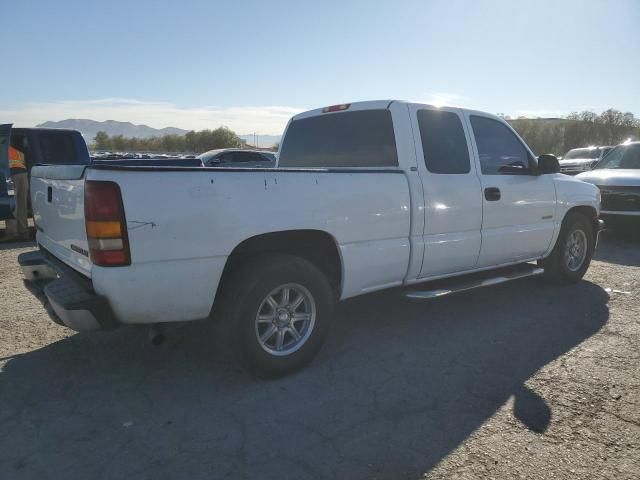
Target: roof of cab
column 368, row 105
column 384, row 104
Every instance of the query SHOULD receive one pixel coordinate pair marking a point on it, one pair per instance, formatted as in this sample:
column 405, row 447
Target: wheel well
column 589, row 212
column 585, row 210
column 315, row 246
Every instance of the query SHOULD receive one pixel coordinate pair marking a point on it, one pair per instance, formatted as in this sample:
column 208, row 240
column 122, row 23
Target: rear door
column 518, row 206
column 452, row 196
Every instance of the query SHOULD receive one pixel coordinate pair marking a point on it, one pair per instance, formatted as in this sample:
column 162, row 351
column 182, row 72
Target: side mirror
column 548, row 163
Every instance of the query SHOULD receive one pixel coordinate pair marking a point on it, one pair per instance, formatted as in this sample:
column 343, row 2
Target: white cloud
column 266, row 120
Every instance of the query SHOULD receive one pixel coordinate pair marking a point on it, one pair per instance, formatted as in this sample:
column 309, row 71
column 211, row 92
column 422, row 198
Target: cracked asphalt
column 521, row 380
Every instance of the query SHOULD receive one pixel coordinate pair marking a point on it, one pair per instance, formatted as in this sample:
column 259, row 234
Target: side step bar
column 440, row 288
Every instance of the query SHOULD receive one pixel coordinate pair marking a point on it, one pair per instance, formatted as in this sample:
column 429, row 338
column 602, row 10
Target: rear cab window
column 362, row 138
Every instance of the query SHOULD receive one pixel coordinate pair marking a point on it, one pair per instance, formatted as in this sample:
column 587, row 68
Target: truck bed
column 188, row 220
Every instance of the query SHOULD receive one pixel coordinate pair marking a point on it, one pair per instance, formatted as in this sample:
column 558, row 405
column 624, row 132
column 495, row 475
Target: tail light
column 106, row 224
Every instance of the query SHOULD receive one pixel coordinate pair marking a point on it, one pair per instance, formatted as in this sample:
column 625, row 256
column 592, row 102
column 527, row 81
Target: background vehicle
column 580, row 160
column 231, row 157
column 618, row 178
column 42, row 145
column 151, row 162
column 367, row 196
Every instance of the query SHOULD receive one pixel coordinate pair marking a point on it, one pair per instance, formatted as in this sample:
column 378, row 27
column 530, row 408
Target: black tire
column 556, row 266
column 244, row 292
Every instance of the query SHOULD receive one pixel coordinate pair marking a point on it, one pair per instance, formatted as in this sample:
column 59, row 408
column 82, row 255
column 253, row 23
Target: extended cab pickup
column 366, row 196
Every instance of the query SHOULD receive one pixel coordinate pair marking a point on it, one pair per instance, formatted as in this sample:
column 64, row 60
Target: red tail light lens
column 106, row 224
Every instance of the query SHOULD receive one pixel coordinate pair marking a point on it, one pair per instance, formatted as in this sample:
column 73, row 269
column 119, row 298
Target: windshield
column 623, row 156
column 582, row 153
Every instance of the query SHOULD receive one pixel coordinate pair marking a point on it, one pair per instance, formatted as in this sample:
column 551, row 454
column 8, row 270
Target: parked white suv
column 366, row 196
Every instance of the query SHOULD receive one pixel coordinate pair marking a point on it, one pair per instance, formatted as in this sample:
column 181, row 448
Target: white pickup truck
column 366, row 196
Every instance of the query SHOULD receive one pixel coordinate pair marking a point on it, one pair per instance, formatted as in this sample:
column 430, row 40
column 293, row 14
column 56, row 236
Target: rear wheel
column 572, row 253
column 277, row 310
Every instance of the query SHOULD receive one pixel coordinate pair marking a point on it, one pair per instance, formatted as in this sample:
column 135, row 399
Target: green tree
column 101, row 141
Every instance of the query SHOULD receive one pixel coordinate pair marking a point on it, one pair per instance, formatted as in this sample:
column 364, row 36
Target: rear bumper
column 68, row 296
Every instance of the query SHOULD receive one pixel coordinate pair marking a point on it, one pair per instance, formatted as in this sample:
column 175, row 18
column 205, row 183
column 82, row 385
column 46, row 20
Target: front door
column 452, row 196
column 518, row 205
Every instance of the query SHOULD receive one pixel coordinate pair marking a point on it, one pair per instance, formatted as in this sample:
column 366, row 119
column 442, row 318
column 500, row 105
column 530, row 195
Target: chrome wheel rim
column 285, row 319
column 575, row 251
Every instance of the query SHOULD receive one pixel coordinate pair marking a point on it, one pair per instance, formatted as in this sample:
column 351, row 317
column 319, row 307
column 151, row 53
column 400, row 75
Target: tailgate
column 57, row 196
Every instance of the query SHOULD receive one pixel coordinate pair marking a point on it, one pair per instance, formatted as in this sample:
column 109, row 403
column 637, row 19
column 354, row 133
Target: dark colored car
column 50, row 146
column 230, row 157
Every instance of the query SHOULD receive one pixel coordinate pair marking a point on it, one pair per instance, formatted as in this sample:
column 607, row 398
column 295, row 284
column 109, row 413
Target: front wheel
column 278, row 311
column 572, row 253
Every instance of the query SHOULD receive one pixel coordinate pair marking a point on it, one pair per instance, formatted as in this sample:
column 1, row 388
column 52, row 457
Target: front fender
column 572, row 193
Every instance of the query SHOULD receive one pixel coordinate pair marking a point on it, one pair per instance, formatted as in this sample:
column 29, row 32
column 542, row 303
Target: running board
column 440, row 288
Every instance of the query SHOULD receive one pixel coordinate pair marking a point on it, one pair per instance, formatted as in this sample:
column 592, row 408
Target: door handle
column 492, row 194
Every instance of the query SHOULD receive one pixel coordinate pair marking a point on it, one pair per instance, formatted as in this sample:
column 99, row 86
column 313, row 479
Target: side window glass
column 443, row 142
column 500, row 151
column 242, row 157
column 253, row 157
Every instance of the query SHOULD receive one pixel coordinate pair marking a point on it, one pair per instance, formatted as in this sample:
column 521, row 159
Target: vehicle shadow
column 620, row 245
column 398, row 386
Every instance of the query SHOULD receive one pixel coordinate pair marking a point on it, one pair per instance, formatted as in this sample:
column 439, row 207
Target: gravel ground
column 522, row 380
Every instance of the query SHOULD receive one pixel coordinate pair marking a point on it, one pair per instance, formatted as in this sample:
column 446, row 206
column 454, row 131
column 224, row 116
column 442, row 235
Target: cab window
column 500, row 151
column 444, row 145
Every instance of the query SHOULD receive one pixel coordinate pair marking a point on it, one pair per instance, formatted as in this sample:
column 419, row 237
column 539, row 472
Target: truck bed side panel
column 183, row 225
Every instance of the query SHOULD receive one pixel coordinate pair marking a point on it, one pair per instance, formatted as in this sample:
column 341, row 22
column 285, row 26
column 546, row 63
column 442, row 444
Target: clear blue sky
column 250, row 63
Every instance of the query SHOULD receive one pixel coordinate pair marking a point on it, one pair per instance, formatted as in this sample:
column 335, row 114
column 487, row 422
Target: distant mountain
column 263, row 141
column 89, row 128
